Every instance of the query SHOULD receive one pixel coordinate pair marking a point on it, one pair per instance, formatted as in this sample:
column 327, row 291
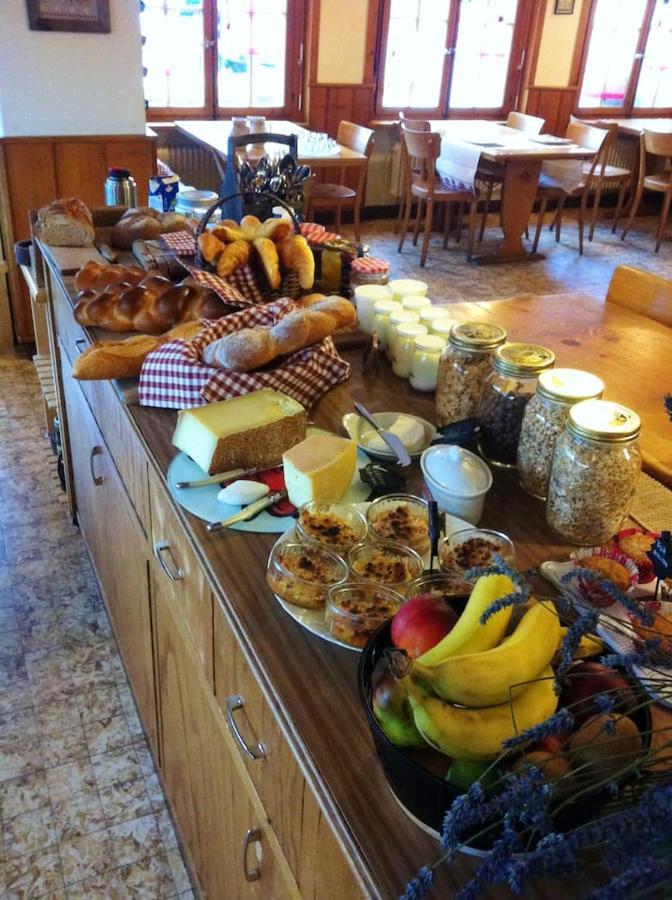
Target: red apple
column 551, row 744
column 586, row 679
column 421, row 623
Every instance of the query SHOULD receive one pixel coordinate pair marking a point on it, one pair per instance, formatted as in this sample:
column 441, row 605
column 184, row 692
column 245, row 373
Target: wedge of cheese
column 251, row 431
column 319, row 468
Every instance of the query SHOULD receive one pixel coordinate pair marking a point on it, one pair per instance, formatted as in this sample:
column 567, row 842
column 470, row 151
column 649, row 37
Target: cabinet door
column 116, row 545
column 317, row 861
column 225, row 839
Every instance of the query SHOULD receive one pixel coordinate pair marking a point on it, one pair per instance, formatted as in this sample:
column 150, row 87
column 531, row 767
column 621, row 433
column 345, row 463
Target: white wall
column 54, row 83
column 557, row 47
column 342, row 41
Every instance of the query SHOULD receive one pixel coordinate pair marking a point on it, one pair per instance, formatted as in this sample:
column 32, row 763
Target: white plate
column 313, row 619
column 357, row 428
column 619, row 637
column 550, row 139
column 203, row 502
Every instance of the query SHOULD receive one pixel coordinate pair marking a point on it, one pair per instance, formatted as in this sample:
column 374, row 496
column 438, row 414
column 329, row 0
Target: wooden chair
column 415, row 125
column 591, row 138
column 429, row 189
column 645, row 293
column 493, row 173
column 337, row 196
column 658, row 145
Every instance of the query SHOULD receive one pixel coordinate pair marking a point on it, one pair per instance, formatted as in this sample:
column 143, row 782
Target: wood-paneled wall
column 39, row 169
column 555, row 104
column 330, row 103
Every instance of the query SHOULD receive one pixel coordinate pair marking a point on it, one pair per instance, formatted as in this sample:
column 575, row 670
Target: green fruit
column 463, row 773
column 393, row 713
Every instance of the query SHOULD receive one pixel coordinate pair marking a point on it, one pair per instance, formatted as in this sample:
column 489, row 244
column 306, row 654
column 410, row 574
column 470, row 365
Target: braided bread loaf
column 95, row 276
column 151, row 306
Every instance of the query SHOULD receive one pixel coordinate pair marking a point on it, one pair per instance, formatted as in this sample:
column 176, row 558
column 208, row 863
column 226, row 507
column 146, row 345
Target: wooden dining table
column 634, row 127
column 521, row 156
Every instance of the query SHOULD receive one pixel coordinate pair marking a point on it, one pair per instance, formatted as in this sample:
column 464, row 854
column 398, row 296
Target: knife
column 248, row 512
column 390, row 439
column 222, row 478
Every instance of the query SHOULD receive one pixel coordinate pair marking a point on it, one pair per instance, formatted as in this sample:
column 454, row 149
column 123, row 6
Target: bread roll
column 251, row 348
column 295, row 254
column 65, row 223
column 144, row 224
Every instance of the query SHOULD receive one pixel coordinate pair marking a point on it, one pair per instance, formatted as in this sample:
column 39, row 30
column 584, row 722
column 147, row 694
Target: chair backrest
column 356, row 137
column 645, row 293
column 523, row 122
column 658, row 143
column 596, row 139
column 414, row 124
column 422, row 146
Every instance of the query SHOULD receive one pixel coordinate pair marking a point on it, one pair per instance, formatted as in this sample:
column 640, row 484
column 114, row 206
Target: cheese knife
column 222, row 477
column 390, row 439
column 248, row 512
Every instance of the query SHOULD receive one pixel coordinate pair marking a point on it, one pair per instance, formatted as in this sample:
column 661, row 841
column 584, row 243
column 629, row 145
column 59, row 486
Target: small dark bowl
column 426, row 795
column 22, row 252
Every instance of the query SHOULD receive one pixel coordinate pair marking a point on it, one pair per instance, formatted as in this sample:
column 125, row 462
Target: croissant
column 211, row 247
column 233, row 256
column 151, row 307
column 94, row 276
column 270, row 262
column 295, row 254
column 251, row 348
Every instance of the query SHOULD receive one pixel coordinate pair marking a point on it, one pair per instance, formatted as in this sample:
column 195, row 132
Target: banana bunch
column 502, row 685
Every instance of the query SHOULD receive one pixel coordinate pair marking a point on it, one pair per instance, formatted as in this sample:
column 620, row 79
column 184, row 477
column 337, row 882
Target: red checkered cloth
column 174, row 377
column 317, row 234
column 225, row 291
column 369, row 265
column 182, row 243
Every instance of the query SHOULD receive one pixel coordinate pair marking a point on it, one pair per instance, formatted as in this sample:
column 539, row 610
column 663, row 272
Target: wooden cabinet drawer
column 71, row 335
column 181, row 574
column 310, row 846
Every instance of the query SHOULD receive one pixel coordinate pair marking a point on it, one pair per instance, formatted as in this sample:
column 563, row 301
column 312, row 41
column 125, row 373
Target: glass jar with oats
column 594, row 472
column 463, row 368
column 544, row 419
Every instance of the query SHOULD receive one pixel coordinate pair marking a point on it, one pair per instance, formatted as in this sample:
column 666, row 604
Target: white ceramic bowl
column 359, row 431
column 459, row 497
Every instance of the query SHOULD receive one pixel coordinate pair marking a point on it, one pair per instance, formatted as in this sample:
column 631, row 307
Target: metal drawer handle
column 252, row 836
column 232, row 704
column 175, row 573
column 81, row 344
column 95, row 451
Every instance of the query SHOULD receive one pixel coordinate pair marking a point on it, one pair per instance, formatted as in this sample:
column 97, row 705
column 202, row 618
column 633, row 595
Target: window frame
column 294, row 73
column 514, row 76
column 628, row 108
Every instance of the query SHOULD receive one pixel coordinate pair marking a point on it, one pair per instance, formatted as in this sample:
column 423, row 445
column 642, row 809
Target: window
column 203, row 58
column 451, row 55
column 627, row 58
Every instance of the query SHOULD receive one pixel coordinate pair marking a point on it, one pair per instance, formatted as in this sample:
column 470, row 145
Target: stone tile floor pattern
column 82, row 813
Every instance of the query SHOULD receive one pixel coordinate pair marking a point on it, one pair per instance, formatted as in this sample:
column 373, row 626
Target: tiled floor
column 81, row 809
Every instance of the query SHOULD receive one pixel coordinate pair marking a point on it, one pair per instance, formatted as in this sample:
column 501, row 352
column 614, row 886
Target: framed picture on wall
column 69, row 15
column 563, row 7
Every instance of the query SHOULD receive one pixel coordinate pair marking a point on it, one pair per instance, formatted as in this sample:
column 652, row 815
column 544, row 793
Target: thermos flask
column 120, row 188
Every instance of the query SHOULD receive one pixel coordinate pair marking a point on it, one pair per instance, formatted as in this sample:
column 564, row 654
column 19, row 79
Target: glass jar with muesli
column 544, row 419
column 594, row 472
column 507, row 390
column 464, row 365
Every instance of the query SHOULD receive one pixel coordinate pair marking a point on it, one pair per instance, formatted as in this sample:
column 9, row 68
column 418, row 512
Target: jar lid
column 118, row 172
column 429, row 342
column 369, row 265
column 477, row 335
column 194, row 199
column 443, row 326
column 431, row 313
column 407, row 287
column 415, row 303
column 411, row 329
column 386, row 306
column 372, row 292
column 603, row 420
column 403, row 315
column 456, row 470
column 569, row 384
column 523, row 360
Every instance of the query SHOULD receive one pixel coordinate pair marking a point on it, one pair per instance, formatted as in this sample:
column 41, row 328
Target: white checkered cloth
column 174, row 377
column 182, row 243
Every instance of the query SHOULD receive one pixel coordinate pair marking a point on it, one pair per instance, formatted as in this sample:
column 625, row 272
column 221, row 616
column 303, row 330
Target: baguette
column 124, row 359
column 251, row 348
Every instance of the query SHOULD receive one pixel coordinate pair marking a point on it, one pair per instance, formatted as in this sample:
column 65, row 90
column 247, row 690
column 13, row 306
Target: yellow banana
column 589, row 645
column 478, row 734
column 468, row 635
column 492, row 676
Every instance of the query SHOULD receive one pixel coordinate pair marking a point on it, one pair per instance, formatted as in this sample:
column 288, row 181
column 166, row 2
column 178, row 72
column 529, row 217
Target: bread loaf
column 152, row 306
column 94, row 276
column 65, row 223
column 124, row 359
column 144, row 224
column 251, row 348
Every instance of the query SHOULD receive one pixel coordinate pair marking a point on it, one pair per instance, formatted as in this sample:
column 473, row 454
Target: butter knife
column 390, row 439
column 222, row 477
column 248, row 512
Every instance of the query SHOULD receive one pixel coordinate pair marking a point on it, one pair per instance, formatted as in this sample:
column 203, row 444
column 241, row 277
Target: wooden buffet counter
column 255, row 724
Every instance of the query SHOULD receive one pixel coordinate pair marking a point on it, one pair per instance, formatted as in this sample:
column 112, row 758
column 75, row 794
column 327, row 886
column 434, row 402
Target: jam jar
column 369, row 270
column 507, row 390
column 594, row 472
column 545, row 417
column 464, row 365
